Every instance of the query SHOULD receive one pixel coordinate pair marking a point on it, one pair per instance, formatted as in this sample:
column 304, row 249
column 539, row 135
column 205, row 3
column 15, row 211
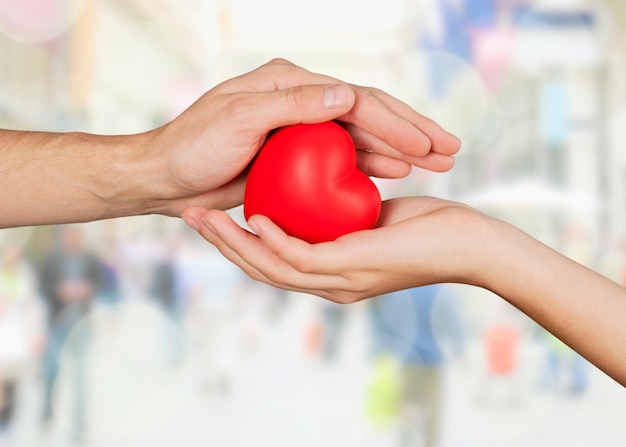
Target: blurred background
column 136, row 332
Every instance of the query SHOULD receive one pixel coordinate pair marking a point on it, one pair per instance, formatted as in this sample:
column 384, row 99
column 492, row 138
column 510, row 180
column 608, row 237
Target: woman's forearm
column 51, row 178
column 584, row 309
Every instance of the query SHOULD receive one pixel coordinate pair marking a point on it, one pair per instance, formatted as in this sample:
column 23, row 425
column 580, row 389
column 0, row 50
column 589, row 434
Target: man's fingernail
column 336, row 96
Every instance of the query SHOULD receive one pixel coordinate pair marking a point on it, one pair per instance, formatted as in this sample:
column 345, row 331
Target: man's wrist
column 135, row 179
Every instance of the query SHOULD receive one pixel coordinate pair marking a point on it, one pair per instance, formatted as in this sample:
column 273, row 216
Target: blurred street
column 136, row 332
column 276, row 394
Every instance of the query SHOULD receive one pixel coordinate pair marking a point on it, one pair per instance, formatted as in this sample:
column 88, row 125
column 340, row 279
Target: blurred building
column 534, row 88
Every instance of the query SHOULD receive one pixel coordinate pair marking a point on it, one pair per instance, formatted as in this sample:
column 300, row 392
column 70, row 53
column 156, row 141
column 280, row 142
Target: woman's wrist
column 578, row 305
column 499, row 248
column 526, row 272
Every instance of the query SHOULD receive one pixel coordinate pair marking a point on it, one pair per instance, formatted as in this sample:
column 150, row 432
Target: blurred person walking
column 503, row 333
column 110, row 292
column 417, row 326
column 165, row 289
column 566, row 371
column 70, row 277
column 21, row 331
column 334, row 319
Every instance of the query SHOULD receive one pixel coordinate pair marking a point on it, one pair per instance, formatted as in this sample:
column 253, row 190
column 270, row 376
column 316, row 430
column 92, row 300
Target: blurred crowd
column 115, row 328
column 52, row 284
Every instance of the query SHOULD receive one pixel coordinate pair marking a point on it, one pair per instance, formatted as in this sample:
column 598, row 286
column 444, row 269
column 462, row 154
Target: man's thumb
column 309, row 104
column 338, row 96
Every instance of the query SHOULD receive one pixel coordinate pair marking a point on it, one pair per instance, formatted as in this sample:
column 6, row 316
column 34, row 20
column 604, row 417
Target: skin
column 195, row 166
column 424, row 240
column 200, row 158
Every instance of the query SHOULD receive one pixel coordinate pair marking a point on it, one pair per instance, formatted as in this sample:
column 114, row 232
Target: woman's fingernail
column 336, row 96
column 208, row 225
column 191, row 221
column 254, row 226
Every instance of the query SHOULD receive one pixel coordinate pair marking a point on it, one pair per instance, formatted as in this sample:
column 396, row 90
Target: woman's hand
column 418, row 241
column 422, row 240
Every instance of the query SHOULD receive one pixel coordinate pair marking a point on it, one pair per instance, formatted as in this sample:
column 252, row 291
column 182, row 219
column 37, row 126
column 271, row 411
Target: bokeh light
column 37, row 20
column 184, row 349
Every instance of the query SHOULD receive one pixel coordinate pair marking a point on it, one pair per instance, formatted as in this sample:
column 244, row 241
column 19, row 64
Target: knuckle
column 287, row 71
column 279, row 61
column 256, row 275
column 371, row 91
column 278, row 68
column 295, row 97
column 301, row 264
column 345, row 298
column 237, row 106
column 355, row 289
column 378, row 92
column 272, row 276
column 276, row 275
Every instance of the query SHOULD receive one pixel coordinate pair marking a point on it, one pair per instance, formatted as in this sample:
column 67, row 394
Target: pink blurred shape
column 36, row 20
column 491, row 48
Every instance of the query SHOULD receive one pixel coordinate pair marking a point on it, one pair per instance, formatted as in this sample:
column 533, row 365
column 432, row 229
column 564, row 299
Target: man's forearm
column 48, row 178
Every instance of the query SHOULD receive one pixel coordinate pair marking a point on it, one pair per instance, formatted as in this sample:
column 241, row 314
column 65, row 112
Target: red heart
column 305, row 179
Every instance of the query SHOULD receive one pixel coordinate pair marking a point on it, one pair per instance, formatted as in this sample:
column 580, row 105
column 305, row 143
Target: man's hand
column 200, row 158
column 208, row 147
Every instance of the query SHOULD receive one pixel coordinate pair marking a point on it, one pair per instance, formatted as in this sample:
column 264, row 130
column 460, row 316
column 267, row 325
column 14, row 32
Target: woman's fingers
column 417, row 241
column 286, row 270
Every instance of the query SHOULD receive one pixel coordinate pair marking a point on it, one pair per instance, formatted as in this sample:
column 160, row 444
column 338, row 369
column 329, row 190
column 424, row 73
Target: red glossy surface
column 305, row 178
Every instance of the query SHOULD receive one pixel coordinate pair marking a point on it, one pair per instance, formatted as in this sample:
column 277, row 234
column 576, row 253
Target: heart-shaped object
column 306, row 180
